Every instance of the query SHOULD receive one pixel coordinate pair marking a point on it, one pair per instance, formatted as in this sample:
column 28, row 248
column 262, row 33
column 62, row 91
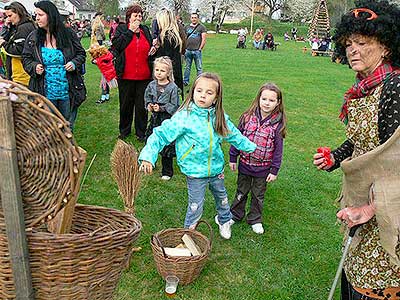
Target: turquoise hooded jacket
column 198, row 147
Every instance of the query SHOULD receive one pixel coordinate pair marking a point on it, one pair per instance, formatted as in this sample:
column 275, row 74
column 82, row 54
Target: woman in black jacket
column 171, row 43
column 18, row 26
column 132, row 49
column 53, row 56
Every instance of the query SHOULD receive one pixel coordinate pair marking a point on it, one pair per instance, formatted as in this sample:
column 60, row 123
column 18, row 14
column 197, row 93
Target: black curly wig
column 385, row 28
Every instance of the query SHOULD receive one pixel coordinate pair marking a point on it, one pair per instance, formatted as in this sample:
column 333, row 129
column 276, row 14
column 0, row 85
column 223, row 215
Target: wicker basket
column 186, row 269
column 85, row 264
column 48, row 156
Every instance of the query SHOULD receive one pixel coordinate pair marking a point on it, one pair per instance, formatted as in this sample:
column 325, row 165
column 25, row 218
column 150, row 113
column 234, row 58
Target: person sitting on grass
column 198, row 129
column 257, row 39
column 268, row 41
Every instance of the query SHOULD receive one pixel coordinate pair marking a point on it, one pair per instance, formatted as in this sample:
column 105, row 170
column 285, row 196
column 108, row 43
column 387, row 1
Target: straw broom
column 125, row 169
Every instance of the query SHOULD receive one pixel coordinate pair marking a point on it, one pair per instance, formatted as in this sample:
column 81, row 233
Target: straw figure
column 125, row 168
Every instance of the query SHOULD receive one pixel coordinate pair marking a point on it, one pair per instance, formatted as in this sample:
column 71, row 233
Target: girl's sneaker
column 258, row 228
column 165, row 177
column 225, row 229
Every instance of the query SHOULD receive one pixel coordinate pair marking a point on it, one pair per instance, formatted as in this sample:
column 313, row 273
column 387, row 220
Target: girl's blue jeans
column 197, row 190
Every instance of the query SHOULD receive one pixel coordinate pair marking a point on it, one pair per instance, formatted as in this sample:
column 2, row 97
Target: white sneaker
column 258, row 228
column 217, row 222
column 165, row 177
column 225, row 229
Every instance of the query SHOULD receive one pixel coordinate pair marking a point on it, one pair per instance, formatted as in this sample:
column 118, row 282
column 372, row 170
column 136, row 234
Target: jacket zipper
column 210, row 146
column 38, row 53
column 187, row 152
column 137, row 51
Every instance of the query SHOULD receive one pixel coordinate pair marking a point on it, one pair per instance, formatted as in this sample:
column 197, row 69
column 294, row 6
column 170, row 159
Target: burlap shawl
column 378, row 169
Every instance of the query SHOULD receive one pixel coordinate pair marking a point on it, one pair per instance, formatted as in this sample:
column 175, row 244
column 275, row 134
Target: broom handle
column 340, row 267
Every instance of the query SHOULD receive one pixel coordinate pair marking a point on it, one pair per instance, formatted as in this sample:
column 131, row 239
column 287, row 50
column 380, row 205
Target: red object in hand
column 326, row 152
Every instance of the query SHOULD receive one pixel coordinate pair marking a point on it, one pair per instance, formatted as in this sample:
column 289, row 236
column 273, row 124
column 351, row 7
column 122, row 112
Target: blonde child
column 198, row 129
column 162, row 100
column 264, row 123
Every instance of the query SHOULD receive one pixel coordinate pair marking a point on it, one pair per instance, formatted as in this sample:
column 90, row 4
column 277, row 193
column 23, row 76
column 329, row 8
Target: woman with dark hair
column 18, row 26
column 132, row 46
column 113, row 26
column 369, row 37
column 53, row 56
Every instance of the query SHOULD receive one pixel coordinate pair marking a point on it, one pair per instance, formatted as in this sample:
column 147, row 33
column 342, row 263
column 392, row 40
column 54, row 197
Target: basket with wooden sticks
column 125, row 169
column 186, row 268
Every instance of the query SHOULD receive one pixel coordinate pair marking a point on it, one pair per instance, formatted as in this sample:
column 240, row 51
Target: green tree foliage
column 337, row 8
column 108, row 7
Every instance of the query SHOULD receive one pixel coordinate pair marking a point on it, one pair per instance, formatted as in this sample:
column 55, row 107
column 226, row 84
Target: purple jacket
column 272, row 165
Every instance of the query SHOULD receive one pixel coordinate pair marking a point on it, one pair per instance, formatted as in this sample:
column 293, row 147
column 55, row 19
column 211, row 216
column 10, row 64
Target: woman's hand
column 153, row 50
column 271, row 177
column 233, row 166
column 146, row 167
column 70, row 66
column 356, row 215
column 150, row 107
column 39, row 69
column 320, row 162
column 134, row 26
column 156, row 107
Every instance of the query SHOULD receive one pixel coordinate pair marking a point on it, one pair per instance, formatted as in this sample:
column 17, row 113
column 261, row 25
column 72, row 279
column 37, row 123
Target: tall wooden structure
column 320, row 24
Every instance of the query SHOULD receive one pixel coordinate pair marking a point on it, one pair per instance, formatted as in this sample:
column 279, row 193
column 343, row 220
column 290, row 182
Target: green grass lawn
column 297, row 256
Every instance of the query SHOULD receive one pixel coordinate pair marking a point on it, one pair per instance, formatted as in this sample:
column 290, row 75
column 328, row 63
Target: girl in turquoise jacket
column 198, row 129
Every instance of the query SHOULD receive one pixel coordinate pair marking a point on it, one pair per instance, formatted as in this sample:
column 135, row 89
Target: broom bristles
column 125, row 170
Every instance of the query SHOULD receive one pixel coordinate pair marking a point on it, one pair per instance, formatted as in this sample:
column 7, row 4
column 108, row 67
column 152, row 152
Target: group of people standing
column 135, row 47
column 45, row 55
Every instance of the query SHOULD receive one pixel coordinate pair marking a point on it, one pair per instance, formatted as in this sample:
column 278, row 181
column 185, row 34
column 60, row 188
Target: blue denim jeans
column 72, row 117
column 257, row 45
column 191, row 55
column 196, row 191
column 64, row 107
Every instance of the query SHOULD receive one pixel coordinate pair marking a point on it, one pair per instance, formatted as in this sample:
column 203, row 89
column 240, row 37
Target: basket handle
column 211, row 233
column 158, row 243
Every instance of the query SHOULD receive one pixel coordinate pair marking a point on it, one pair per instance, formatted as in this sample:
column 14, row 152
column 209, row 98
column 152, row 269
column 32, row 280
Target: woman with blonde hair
column 170, row 43
column 98, row 35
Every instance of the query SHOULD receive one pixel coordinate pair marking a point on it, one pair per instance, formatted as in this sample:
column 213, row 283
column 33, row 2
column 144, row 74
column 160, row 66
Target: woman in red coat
column 131, row 46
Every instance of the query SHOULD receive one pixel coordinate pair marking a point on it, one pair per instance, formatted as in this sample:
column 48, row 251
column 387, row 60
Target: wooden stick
column 62, row 223
column 10, row 190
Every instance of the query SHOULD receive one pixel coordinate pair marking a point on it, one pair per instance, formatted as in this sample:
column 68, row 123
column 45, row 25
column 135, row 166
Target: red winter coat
column 106, row 66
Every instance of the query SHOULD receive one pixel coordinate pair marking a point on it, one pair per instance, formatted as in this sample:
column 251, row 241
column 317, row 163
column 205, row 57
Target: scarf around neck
column 365, row 86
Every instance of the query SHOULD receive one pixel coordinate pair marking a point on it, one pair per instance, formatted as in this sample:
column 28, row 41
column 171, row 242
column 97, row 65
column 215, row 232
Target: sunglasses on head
column 358, row 12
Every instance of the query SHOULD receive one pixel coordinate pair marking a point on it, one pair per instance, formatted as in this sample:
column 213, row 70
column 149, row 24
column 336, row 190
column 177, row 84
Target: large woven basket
column 85, row 264
column 186, row 269
column 48, row 156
